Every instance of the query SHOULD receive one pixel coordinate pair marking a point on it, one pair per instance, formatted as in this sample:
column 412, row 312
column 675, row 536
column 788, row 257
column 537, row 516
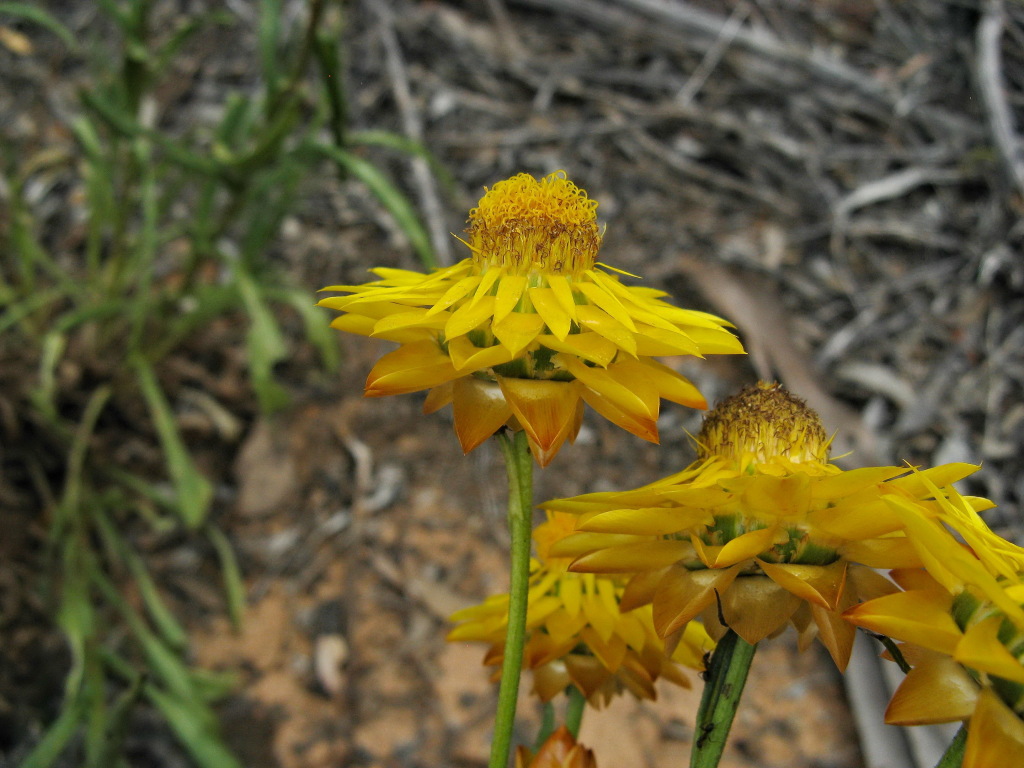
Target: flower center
column 525, row 225
column 764, row 422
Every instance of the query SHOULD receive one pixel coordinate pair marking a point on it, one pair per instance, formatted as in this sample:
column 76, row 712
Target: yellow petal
column 456, row 293
column 601, row 322
column 467, row 357
column 469, row 316
column 937, row 691
column 517, row 329
column 587, row 345
column 744, row 547
column 918, row 616
column 980, row 649
column 363, row 326
column 884, row 553
column 607, row 301
column 410, row 368
column 549, row 308
column 920, row 484
column 563, row 294
column 995, row 738
column 669, row 384
column 851, row 481
column 634, row 409
column 630, row 558
column 646, row 520
column 652, row 341
column 642, row 426
column 510, row 290
column 487, row 281
column 479, row 409
column 411, row 318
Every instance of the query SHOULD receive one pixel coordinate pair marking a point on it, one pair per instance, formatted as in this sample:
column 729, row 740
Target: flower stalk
column 726, row 677
column 519, row 467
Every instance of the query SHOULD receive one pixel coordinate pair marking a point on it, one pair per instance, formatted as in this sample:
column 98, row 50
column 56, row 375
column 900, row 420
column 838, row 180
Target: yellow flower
column 577, row 634
column 963, row 619
column 762, row 530
column 530, row 327
column 560, row 750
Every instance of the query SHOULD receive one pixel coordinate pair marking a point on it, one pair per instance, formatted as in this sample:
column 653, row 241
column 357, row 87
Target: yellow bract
column 761, row 531
column 579, row 635
column 963, row 619
column 529, row 327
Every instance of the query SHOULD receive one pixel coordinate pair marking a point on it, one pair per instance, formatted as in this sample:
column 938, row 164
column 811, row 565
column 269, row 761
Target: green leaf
column 317, row 325
column 57, row 736
column 35, row 14
column 193, row 491
column 265, row 345
column 234, row 585
column 198, row 734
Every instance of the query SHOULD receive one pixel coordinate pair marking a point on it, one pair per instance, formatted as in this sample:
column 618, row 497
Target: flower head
column 761, row 531
column 530, row 326
column 963, row 619
column 560, row 750
column 577, row 634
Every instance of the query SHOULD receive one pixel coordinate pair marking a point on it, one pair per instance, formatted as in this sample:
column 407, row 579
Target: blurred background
column 215, row 553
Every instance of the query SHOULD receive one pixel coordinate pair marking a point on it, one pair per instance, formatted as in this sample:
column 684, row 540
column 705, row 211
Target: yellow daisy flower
column 560, row 750
column 530, row 327
column 577, row 634
column 963, row 618
column 761, row 531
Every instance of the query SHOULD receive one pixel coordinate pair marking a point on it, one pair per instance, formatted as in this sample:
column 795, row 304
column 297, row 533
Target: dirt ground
column 843, row 180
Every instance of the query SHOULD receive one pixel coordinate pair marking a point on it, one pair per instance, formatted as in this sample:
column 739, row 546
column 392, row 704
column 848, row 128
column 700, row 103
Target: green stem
column 519, row 466
column 574, row 710
column 726, row 676
column 954, row 756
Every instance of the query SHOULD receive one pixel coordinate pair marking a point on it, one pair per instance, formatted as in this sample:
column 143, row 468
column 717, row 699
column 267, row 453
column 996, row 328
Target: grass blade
column 265, row 344
column 193, row 491
column 234, row 585
column 35, row 14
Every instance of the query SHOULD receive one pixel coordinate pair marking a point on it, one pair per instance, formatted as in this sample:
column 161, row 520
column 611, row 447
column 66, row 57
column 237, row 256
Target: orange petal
column 479, row 409
column 682, row 594
column 995, row 738
column 918, row 616
column 546, row 410
column 835, row 634
column 438, row 397
column 640, row 589
column 818, row 584
column 937, row 691
column 755, row 607
column 410, row 368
